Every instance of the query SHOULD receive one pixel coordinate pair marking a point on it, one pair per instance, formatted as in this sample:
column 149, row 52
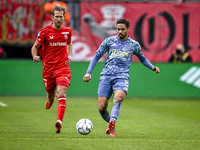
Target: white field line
column 3, row 104
column 92, row 139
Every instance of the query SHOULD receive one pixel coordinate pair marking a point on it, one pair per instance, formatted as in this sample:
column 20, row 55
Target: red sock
column 61, row 107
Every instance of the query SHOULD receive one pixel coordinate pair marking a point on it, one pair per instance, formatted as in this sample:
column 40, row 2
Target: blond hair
column 58, row 8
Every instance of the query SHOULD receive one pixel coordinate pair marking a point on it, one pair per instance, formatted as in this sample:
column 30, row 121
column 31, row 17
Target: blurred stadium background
column 158, row 25
column 160, row 112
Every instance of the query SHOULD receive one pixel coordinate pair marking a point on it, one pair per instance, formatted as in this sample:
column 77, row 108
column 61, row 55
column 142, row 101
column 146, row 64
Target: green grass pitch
column 146, row 124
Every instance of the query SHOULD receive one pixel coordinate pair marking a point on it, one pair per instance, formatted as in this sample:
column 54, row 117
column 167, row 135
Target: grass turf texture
column 163, row 124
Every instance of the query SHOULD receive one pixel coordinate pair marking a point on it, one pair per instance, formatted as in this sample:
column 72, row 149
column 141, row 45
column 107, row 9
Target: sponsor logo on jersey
column 58, row 44
column 192, row 76
column 114, row 44
column 51, row 37
column 65, row 32
column 120, row 53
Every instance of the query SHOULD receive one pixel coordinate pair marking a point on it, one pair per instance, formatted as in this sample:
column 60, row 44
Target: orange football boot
column 58, row 126
column 111, row 129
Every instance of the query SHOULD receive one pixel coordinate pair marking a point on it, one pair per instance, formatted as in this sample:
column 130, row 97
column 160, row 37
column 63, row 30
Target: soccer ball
column 84, row 126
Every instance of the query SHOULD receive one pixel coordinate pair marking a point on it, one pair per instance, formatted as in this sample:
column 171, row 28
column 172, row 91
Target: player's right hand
column 87, row 78
column 36, row 58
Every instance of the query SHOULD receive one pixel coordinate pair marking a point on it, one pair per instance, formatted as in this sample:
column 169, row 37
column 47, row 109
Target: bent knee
column 118, row 99
column 119, row 96
column 102, row 107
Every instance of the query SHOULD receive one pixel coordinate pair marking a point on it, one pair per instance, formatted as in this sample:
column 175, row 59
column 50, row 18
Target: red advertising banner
column 158, row 27
column 20, row 21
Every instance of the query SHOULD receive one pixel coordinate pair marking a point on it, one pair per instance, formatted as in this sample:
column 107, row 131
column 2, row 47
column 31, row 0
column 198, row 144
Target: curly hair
column 123, row 21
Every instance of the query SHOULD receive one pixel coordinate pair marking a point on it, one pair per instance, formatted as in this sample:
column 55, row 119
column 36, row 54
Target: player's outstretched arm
column 34, row 49
column 87, row 77
column 156, row 69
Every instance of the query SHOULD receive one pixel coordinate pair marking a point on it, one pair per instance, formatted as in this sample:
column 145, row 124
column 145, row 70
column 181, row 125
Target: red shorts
column 55, row 78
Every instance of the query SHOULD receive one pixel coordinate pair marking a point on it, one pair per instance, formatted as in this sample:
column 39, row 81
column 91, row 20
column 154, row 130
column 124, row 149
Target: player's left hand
column 69, row 60
column 156, row 69
column 87, row 77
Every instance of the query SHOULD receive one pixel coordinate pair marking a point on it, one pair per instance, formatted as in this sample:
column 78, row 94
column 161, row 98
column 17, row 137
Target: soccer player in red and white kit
column 56, row 44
